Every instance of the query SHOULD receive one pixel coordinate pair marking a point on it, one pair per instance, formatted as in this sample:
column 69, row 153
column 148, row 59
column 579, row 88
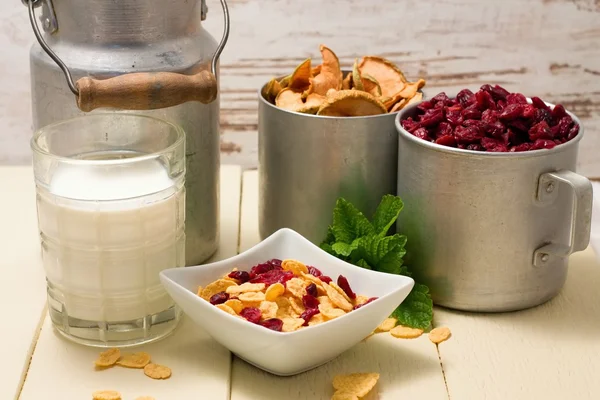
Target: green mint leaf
column 363, row 264
column 383, row 253
column 387, row 213
column 330, row 238
column 416, row 310
column 345, row 249
column 348, row 222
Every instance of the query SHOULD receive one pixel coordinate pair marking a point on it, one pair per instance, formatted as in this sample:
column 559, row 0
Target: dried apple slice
column 356, row 78
column 300, row 78
column 292, row 101
column 347, row 82
column 410, row 89
column 415, row 99
column 316, row 70
column 330, row 76
column 371, row 85
column 271, row 90
column 399, row 105
column 390, row 78
column 351, row 103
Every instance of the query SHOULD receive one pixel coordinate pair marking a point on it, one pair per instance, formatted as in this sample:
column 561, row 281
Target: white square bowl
column 287, row 353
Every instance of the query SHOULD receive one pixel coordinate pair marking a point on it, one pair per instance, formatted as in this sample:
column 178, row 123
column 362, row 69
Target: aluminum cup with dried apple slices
column 326, row 133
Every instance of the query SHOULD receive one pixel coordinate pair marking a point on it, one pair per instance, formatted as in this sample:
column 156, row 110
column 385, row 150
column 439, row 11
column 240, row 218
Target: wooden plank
column 408, row 368
column 549, row 352
column 23, row 294
column 199, row 364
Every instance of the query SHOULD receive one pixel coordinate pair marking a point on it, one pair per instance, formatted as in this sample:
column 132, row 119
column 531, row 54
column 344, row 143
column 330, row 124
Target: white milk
column 106, row 235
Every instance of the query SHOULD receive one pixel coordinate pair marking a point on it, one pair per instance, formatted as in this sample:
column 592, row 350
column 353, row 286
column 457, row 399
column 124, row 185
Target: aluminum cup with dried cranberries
column 491, row 120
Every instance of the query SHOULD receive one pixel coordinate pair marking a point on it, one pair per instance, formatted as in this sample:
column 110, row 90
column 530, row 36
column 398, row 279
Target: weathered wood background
column 548, row 48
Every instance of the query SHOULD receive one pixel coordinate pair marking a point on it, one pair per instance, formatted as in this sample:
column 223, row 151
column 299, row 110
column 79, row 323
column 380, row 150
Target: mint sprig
column 355, row 239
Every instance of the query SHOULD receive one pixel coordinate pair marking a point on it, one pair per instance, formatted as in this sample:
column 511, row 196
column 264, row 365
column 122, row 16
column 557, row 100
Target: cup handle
column 581, row 214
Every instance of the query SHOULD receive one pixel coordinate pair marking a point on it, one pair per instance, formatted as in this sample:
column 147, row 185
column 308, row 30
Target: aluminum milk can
column 149, row 57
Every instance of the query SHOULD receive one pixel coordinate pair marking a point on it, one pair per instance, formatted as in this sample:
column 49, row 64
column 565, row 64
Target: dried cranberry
column 454, row 115
column 538, row 103
column 558, row 112
column 422, row 133
column 519, row 125
column 499, row 93
column 410, row 125
column 516, row 98
column 262, row 268
column 471, row 112
column 312, row 290
column 521, row 147
column 440, row 98
column 540, row 131
column 372, row 299
column 564, row 126
column 489, row 116
column 345, row 285
column 573, row 132
column 467, row 134
column 251, row 314
column 465, row 97
column 447, row 140
column 512, row 111
column 495, row 129
column 274, row 324
column 219, row 298
column 314, row 271
column 543, row 144
column 432, row 117
column 484, row 100
column 501, row 105
column 241, row 276
column 443, row 129
column 273, row 276
column 308, row 314
column 425, row 105
column 529, row 111
column 475, row 146
column 310, row 301
column 325, row 278
column 493, row 145
column 542, row 115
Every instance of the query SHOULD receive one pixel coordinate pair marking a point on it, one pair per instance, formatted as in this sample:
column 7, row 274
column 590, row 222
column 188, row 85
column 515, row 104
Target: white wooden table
column 550, row 352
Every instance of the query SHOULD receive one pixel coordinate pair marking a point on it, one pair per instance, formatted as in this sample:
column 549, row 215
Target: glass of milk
column 111, row 207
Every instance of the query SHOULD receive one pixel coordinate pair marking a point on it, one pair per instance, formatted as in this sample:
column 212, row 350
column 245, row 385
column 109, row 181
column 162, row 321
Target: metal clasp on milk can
column 134, row 91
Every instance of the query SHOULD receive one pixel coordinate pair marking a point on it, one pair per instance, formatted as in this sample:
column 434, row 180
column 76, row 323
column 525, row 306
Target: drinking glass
column 111, row 216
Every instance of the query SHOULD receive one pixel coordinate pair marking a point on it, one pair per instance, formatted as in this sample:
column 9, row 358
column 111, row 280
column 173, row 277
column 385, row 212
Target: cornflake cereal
column 134, row 360
column 156, row 371
column 374, row 86
column 288, row 295
column 108, row 358
column 358, row 384
column 386, row 325
column 404, row 332
column 106, row 395
column 439, row 335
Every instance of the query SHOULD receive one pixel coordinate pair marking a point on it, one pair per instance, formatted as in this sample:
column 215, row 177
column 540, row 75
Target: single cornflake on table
column 134, row 360
column 387, row 325
column 357, row 384
column 404, row 332
column 439, row 335
column 156, row 371
column 108, row 358
column 106, row 395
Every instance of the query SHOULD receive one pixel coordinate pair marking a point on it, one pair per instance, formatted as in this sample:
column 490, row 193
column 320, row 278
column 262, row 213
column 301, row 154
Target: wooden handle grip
column 146, row 91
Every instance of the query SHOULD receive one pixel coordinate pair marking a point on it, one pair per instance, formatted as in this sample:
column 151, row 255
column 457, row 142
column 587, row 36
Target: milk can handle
column 140, row 90
column 581, row 218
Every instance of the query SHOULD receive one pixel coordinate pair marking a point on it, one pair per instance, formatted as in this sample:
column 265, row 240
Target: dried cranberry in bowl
column 491, row 120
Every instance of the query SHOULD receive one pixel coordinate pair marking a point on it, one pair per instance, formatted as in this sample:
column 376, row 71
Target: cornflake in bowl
column 243, row 321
